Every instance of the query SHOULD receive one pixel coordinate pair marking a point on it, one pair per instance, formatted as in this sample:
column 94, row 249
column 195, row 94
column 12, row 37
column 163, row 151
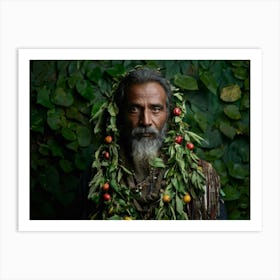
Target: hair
column 140, row 76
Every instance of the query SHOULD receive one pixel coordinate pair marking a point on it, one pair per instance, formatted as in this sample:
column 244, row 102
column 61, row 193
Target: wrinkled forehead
column 150, row 92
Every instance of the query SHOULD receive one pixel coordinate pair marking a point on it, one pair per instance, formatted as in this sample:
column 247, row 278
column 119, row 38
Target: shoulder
column 212, row 190
column 209, row 171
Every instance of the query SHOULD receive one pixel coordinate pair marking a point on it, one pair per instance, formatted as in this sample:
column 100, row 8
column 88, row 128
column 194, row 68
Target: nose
column 146, row 119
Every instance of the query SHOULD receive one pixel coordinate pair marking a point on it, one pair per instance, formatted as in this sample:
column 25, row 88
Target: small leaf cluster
column 108, row 167
column 183, row 173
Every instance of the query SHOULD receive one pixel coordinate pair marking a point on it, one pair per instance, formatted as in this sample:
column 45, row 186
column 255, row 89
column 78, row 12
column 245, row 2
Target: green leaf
column 68, row 134
column 43, row 98
column 44, row 149
column 115, row 217
column 73, row 146
column 65, row 198
column 74, row 79
column 73, row 113
column 231, row 193
column 175, row 182
column 179, row 205
column 186, row 82
column 202, row 120
column 62, row 98
column 240, row 73
column 55, row 118
column 227, row 130
column 239, row 63
column 97, row 109
column 80, row 161
column 177, row 119
column 209, row 81
column 214, row 154
column 245, row 101
column 37, row 120
column 66, row 165
column 238, row 170
column 116, row 71
column 73, row 67
column 86, row 89
column 231, row 93
column 221, row 169
column 113, row 109
column 55, row 148
column 49, row 179
column 178, row 96
column 172, row 68
column 204, row 64
column 157, row 163
column 83, row 136
column 232, row 111
column 94, row 74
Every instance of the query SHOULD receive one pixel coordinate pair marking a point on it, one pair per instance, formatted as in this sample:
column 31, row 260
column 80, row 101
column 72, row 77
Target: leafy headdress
column 182, row 171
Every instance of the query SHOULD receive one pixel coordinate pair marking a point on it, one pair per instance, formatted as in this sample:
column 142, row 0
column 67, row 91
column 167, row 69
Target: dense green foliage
column 65, row 95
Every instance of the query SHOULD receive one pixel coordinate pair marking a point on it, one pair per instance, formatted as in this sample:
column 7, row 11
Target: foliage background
column 64, row 95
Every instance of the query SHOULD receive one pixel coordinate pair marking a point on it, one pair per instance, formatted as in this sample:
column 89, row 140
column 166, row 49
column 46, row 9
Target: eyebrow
column 134, row 104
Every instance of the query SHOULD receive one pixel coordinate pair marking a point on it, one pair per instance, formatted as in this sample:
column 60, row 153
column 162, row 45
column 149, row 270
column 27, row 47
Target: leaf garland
column 183, row 174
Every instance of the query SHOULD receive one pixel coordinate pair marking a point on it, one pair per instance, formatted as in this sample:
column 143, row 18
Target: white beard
column 145, row 148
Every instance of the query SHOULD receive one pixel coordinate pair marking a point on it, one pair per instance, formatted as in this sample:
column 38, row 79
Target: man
column 145, row 191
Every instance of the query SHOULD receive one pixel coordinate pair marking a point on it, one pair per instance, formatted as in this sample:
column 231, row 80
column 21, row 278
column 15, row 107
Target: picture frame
column 25, row 56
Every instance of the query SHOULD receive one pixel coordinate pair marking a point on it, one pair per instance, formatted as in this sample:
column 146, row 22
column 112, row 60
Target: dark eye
column 156, row 109
column 133, row 109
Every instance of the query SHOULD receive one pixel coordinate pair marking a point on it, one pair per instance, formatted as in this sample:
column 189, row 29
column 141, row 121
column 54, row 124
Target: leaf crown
column 182, row 172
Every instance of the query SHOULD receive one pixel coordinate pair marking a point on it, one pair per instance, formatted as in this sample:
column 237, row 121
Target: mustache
column 138, row 132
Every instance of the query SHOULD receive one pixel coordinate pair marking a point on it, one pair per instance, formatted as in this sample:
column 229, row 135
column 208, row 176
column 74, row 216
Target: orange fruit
column 108, row 139
column 187, row 198
column 166, row 198
column 106, row 187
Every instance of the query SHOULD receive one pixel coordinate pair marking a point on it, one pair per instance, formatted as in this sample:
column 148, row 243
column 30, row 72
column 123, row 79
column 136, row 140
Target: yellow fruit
column 166, row 198
column 187, row 198
column 128, row 218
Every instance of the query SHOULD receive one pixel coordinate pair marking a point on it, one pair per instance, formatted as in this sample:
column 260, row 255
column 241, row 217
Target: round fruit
column 187, row 198
column 106, row 196
column 190, row 146
column 166, row 198
column 106, row 155
column 128, row 218
column 177, row 111
column 108, row 139
column 179, row 139
column 106, row 187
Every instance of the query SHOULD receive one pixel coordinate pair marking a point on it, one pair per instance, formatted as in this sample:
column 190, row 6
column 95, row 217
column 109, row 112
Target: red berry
column 106, row 155
column 108, row 139
column 190, row 146
column 177, row 111
column 179, row 139
column 106, row 187
column 106, row 196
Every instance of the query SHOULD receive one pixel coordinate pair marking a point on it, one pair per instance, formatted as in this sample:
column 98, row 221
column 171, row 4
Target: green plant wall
column 65, row 94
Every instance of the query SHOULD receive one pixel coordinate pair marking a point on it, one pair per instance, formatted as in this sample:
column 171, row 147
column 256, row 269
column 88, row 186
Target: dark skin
column 146, row 107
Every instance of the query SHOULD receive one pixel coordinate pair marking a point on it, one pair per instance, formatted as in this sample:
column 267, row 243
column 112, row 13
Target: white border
column 254, row 55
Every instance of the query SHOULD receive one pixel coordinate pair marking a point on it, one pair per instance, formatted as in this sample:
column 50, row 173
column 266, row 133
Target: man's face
column 146, row 109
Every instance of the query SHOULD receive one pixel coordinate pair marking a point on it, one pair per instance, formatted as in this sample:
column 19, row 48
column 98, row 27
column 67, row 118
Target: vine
column 183, row 174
